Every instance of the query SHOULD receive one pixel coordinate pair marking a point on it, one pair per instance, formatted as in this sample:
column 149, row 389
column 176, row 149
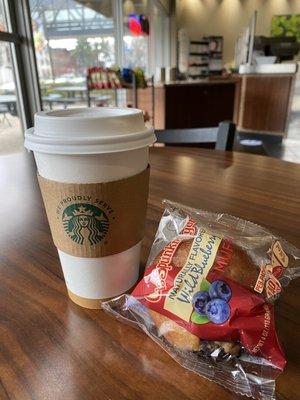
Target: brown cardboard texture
column 96, row 219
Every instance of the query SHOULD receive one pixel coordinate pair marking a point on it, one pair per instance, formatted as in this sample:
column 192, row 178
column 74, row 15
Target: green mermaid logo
column 85, row 223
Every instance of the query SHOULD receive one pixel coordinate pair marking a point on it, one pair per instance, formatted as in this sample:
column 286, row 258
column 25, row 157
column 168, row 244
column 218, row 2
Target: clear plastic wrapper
column 207, row 297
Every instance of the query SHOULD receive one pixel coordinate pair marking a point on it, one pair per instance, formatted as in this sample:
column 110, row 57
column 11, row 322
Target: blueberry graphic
column 220, row 290
column 199, row 302
column 217, row 311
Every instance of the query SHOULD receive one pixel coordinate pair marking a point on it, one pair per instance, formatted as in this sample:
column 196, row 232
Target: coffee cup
column 93, row 173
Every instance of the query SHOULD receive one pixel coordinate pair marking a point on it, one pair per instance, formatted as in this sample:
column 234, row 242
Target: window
column 18, row 99
column 160, row 23
column 11, row 137
column 71, row 36
column 3, row 25
column 136, row 34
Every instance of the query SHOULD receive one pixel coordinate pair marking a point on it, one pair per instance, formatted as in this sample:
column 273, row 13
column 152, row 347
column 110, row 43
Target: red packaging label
column 260, row 283
column 269, row 272
column 277, row 271
column 273, row 287
column 205, row 302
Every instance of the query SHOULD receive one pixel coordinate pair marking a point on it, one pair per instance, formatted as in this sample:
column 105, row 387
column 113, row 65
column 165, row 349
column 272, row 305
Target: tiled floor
column 291, row 150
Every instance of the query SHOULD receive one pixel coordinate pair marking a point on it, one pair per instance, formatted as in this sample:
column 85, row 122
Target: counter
column 264, row 103
column 190, row 104
column 257, row 103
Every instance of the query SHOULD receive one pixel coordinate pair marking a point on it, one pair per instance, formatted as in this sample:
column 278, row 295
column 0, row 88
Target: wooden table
column 52, row 349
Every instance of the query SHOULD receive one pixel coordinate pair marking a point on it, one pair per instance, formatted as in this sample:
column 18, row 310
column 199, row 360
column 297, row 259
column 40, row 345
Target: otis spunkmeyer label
column 96, row 219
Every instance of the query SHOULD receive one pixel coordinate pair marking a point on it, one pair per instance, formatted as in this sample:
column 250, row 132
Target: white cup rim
column 91, row 131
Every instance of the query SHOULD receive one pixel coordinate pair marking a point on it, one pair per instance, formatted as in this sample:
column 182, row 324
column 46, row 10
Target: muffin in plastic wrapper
column 207, row 297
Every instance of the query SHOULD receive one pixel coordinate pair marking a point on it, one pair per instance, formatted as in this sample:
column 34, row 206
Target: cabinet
column 198, row 105
column 265, row 102
column 191, row 104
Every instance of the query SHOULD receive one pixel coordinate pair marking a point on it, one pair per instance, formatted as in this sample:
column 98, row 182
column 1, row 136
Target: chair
column 4, row 110
column 222, row 136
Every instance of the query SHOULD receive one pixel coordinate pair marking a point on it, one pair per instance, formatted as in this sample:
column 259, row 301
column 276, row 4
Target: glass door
column 11, row 137
column 17, row 100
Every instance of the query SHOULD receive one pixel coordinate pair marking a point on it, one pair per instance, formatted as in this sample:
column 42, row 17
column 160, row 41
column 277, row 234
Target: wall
column 166, row 4
column 133, row 6
column 140, row 6
column 228, row 17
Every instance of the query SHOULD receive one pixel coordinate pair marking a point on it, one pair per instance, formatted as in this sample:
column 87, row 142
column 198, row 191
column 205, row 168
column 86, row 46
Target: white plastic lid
column 88, row 131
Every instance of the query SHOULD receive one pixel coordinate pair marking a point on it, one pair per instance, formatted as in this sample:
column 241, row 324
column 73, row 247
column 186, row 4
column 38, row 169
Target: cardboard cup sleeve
column 96, row 219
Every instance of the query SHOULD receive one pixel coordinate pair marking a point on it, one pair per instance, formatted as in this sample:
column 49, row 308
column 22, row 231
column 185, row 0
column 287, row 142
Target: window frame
column 20, row 37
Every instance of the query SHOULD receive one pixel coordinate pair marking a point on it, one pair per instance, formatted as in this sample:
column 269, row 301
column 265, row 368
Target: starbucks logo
column 85, row 223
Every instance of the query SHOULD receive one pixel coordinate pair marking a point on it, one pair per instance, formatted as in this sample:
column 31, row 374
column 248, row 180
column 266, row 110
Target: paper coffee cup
column 93, row 172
